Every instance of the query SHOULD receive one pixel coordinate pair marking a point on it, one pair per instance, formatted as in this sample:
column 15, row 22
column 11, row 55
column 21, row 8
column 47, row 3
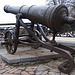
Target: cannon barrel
column 53, row 17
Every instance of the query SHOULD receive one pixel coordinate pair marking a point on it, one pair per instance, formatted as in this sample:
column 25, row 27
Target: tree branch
column 55, row 2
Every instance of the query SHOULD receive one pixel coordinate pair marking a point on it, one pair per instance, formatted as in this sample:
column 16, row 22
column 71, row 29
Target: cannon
column 53, row 17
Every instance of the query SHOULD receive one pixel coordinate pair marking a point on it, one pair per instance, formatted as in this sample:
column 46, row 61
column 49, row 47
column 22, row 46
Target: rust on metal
column 53, row 17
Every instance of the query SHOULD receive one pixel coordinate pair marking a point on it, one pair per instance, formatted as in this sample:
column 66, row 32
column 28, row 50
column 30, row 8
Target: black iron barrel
column 53, row 17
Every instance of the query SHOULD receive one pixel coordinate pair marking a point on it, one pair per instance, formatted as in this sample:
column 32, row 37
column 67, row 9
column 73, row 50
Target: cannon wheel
column 11, row 47
column 65, row 67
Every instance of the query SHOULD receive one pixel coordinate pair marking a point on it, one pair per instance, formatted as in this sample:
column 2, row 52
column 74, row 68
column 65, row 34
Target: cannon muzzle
column 53, row 17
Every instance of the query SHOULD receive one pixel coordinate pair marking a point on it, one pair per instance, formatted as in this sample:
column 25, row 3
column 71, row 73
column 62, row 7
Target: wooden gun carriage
column 54, row 17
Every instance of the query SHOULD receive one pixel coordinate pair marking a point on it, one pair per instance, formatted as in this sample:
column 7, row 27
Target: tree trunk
column 55, row 2
column 61, row 1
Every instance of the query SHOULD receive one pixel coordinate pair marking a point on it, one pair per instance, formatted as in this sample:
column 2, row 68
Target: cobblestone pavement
column 49, row 68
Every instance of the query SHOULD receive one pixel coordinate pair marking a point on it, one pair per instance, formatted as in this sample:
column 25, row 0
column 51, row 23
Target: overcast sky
column 10, row 18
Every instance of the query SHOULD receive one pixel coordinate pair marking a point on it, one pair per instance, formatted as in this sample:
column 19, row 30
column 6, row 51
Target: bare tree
column 49, row 2
column 55, row 2
column 72, row 11
column 69, row 3
column 71, row 7
column 61, row 1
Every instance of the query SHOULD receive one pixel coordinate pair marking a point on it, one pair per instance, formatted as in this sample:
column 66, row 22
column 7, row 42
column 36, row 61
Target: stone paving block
column 18, row 71
column 54, row 64
column 10, row 58
column 28, row 54
column 11, row 70
column 10, row 74
column 57, row 74
column 64, row 74
column 42, row 68
column 31, row 73
column 29, row 69
column 38, row 73
column 14, row 70
column 21, row 68
column 55, row 70
column 25, row 73
column 51, row 73
column 7, row 69
column 44, row 73
column 2, row 71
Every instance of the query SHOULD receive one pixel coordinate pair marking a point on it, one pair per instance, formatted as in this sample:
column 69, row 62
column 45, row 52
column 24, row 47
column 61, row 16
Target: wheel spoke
column 11, row 46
